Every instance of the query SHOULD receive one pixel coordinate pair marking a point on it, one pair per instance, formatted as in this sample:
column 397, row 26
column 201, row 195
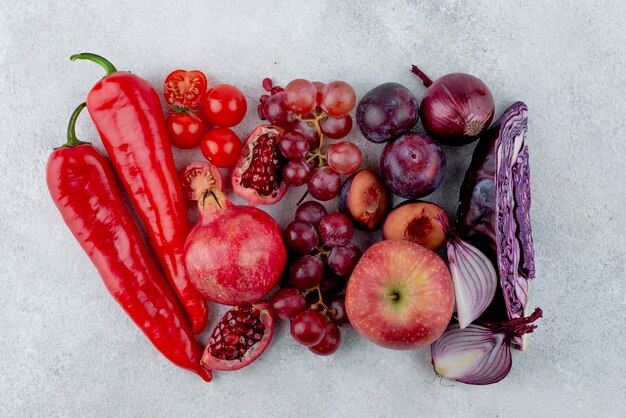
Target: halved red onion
column 479, row 355
column 474, row 277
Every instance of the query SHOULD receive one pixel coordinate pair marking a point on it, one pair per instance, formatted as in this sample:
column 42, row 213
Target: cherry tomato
column 221, row 146
column 224, row 105
column 184, row 129
column 185, row 88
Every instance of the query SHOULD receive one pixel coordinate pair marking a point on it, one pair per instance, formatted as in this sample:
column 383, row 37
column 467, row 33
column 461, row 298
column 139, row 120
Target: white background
column 66, row 349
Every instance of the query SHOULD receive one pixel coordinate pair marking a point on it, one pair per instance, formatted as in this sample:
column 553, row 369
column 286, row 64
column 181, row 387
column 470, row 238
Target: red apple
column 400, row 295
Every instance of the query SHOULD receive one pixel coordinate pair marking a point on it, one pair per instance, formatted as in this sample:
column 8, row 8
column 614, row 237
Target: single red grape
column 336, row 128
column 293, row 146
column 344, row 157
column 306, row 272
column 288, row 303
column 329, row 343
column 342, row 260
column 336, row 230
column 301, row 96
column 308, row 327
column 338, row 98
column 311, row 212
column 276, row 111
column 300, row 237
column 296, row 173
column 324, row 183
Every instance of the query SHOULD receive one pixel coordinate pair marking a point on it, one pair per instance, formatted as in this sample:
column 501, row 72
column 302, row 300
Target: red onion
column 475, row 280
column 456, row 109
column 479, row 355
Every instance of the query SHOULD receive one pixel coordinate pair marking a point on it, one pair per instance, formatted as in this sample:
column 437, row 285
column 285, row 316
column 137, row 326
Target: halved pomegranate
column 258, row 176
column 240, row 337
column 199, row 177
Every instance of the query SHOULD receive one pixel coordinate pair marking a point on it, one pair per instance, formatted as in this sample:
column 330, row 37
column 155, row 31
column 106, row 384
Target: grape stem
column 317, row 154
column 321, row 251
column 306, row 193
column 319, row 305
column 315, row 122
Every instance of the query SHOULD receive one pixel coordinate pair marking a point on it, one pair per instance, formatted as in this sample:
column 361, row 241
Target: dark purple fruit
column 336, row 229
column 324, row 183
column 332, row 284
column 311, row 212
column 287, row 303
column 365, row 199
column 306, row 272
column 387, row 111
column 342, row 260
column 330, row 343
column 413, row 165
column 300, row 237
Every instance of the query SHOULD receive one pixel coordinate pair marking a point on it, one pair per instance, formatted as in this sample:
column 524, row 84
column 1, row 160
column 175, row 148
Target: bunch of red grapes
column 309, row 112
column 312, row 296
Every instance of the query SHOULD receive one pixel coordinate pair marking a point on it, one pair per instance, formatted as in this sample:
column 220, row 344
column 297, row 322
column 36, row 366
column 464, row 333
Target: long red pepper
column 84, row 189
column 128, row 115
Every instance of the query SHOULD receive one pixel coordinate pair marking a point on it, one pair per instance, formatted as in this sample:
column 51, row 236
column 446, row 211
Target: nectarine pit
column 418, row 229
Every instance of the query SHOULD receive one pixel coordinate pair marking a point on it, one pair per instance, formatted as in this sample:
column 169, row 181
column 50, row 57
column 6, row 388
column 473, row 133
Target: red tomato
column 224, row 105
column 221, row 146
column 185, row 88
column 184, row 129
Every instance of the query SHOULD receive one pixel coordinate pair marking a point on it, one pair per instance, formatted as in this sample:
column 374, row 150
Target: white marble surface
column 68, row 350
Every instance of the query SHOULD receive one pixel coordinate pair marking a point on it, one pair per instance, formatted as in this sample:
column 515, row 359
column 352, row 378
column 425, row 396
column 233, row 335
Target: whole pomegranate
column 258, row 175
column 235, row 254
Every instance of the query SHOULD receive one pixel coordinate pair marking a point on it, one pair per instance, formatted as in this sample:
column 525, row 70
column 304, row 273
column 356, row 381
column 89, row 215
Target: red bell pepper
column 83, row 187
column 128, row 115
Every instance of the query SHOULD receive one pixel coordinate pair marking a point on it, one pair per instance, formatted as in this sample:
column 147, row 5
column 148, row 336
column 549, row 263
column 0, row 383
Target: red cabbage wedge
column 494, row 211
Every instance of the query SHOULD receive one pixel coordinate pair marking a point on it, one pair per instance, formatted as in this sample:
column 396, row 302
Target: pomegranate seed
column 267, row 84
column 261, row 112
column 236, row 333
column 277, row 89
column 264, row 173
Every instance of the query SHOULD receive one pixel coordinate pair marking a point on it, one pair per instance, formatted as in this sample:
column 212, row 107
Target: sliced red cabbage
column 494, row 209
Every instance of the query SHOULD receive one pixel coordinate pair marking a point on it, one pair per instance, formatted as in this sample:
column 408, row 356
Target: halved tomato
column 185, row 88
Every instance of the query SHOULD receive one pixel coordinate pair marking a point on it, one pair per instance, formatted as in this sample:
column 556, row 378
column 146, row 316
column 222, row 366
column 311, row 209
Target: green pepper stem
column 72, row 140
column 103, row 62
